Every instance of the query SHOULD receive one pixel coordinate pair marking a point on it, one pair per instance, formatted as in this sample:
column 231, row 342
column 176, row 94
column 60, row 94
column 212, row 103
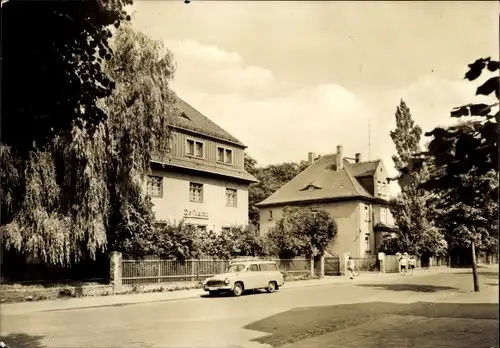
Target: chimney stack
column 339, row 158
column 357, row 158
column 311, row 156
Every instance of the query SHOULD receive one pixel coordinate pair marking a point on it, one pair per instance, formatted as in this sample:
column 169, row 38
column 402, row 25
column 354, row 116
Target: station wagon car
column 242, row 276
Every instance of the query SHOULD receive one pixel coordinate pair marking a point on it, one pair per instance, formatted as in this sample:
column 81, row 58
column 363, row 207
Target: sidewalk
column 130, row 299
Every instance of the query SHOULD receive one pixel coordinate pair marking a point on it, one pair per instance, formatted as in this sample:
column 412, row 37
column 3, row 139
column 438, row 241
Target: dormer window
column 195, row 148
column 224, row 155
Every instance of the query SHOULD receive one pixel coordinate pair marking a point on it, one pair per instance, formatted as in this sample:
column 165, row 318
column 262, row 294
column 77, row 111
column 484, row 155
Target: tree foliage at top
column 271, row 178
column 81, row 191
column 416, row 232
column 301, row 232
column 465, row 160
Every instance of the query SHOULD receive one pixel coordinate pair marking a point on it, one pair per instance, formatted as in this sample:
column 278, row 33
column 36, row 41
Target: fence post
column 346, row 257
column 311, row 262
column 322, row 266
column 159, row 270
column 115, row 271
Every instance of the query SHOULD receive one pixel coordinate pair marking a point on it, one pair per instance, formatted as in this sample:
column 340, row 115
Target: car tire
column 238, row 289
column 271, row 287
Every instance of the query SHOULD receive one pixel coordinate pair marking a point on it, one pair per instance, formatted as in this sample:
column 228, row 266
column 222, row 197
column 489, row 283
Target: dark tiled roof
column 325, row 181
column 195, row 121
column 203, row 167
column 364, row 168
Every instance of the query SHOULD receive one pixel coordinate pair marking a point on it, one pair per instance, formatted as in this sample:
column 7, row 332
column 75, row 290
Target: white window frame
column 194, row 186
column 226, row 229
column 384, row 188
column 225, row 156
column 379, row 188
column 229, row 192
column 367, row 242
column 149, row 186
column 270, row 215
column 195, row 143
column 367, row 213
column 383, row 215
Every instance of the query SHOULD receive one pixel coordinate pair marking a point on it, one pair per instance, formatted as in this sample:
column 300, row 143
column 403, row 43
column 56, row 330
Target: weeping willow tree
column 83, row 192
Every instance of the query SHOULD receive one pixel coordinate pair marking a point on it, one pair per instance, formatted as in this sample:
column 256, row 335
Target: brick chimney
column 357, row 157
column 339, row 158
column 310, row 157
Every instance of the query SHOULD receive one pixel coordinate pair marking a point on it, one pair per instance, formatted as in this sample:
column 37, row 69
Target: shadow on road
column 20, row 340
column 301, row 323
column 483, row 274
column 228, row 294
column 409, row 287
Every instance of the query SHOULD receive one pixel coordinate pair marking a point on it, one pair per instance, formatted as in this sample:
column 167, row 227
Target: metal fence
column 153, row 270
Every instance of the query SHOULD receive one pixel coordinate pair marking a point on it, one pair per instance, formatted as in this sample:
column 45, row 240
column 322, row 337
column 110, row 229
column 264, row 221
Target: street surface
column 342, row 315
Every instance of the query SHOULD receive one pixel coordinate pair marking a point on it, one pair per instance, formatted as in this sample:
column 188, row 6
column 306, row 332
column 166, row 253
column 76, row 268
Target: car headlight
column 226, row 281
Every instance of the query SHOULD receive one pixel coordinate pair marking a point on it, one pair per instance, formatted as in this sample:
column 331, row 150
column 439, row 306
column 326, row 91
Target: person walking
column 403, row 262
column 350, row 268
column 411, row 265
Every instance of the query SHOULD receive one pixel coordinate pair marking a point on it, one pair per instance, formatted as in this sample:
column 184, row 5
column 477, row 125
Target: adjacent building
column 201, row 179
column 354, row 192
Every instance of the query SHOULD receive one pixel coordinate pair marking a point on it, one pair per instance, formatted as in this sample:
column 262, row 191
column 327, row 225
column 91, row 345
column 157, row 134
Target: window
column 154, row 186
column 190, row 147
column 226, row 229
column 195, row 192
column 194, row 148
column 224, row 155
column 367, row 213
column 268, row 267
column 231, row 197
column 270, row 214
column 384, row 189
column 367, row 242
column 220, row 154
column 254, row 268
column 201, row 228
column 378, row 187
column 383, row 215
column 229, row 156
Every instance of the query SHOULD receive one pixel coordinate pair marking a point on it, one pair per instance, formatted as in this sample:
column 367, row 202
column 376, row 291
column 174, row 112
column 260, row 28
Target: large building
column 353, row 192
column 201, row 179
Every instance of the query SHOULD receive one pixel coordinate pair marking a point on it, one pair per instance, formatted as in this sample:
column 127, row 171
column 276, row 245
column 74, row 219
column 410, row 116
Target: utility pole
column 474, row 267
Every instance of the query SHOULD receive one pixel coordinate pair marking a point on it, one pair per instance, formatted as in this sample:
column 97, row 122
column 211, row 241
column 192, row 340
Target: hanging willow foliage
column 84, row 192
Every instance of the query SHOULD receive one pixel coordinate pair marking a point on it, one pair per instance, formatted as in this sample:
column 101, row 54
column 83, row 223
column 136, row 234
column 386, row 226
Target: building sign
column 191, row 213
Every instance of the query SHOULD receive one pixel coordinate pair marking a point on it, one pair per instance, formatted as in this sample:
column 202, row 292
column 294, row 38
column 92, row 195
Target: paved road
column 220, row 322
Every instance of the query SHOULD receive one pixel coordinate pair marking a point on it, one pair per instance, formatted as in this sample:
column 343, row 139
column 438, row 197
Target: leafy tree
column 465, row 174
column 271, row 178
column 177, row 241
column 411, row 208
column 81, row 190
column 302, row 231
column 238, row 241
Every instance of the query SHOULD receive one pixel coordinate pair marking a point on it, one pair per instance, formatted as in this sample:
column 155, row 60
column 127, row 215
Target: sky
column 288, row 78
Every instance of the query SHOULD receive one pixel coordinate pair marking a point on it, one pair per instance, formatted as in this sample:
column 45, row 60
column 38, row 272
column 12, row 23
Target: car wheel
column 271, row 287
column 238, row 289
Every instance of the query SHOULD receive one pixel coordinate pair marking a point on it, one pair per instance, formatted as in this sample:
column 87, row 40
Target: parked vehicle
column 244, row 275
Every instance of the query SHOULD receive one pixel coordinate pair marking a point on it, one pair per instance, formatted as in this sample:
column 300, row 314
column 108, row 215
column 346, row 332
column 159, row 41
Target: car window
column 254, row 268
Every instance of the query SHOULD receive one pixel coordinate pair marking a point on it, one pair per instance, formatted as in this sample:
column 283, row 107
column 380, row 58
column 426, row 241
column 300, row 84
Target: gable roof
column 326, row 182
column 364, row 168
column 192, row 120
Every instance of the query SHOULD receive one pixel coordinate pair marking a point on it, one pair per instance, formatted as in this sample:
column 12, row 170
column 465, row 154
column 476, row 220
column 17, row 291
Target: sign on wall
column 191, row 213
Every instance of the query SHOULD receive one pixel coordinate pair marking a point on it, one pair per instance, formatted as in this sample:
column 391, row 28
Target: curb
column 337, row 281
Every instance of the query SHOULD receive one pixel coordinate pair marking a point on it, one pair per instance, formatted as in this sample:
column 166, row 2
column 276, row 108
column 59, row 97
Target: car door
column 253, row 276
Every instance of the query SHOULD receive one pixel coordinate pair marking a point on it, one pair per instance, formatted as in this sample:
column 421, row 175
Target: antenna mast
column 369, row 141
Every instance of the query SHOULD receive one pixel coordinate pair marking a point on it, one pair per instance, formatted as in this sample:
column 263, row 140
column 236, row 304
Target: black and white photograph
column 249, row 174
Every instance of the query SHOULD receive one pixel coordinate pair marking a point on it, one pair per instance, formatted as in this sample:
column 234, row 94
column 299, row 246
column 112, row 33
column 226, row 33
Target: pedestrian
column 350, row 268
column 411, row 265
column 403, row 261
